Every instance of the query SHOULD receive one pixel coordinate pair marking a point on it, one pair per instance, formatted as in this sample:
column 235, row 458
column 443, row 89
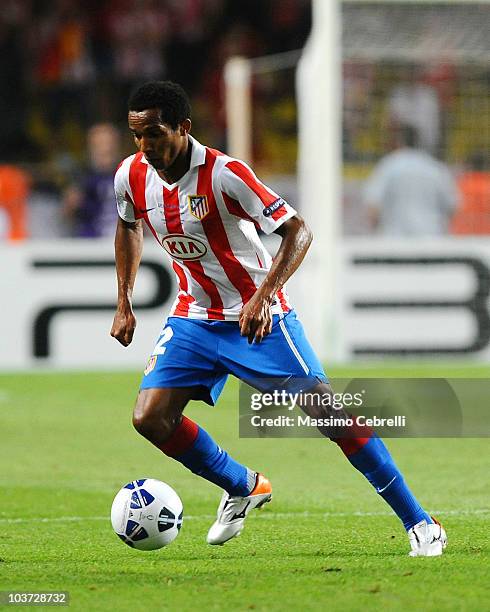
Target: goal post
column 318, row 95
column 238, row 101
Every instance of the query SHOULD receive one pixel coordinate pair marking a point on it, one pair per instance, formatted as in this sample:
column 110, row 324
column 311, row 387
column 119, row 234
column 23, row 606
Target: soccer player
column 231, row 314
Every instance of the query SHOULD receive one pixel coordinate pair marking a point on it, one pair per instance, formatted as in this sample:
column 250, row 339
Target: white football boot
column 232, row 511
column 427, row 539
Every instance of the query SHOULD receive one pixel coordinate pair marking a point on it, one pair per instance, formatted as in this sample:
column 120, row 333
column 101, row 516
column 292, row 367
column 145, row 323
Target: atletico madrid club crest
column 198, row 206
column 151, row 364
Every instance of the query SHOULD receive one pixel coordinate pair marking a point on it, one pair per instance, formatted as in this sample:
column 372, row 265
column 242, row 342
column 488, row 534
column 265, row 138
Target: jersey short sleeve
column 125, row 207
column 267, row 209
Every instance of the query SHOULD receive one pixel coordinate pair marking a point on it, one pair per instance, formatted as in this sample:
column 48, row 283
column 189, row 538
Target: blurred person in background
column 473, row 214
column 410, row 193
column 415, row 103
column 88, row 205
column 14, row 191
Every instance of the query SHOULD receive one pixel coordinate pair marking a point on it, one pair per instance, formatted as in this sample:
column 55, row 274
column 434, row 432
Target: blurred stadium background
column 313, row 118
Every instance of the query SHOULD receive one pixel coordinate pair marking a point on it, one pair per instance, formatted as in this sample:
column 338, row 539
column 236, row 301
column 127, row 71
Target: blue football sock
column 193, row 447
column 375, row 462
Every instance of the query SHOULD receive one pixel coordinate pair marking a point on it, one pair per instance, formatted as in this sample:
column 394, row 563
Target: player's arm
column 272, row 214
column 128, row 250
column 255, row 317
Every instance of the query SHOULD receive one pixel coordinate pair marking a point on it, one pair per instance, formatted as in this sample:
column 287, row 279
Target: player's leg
column 252, row 363
column 369, row 455
column 183, row 367
column 158, row 417
column 157, row 414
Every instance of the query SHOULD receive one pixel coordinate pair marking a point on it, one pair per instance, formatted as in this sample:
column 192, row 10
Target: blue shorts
column 201, row 354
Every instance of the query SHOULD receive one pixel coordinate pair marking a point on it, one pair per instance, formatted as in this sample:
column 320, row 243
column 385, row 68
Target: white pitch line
column 260, row 515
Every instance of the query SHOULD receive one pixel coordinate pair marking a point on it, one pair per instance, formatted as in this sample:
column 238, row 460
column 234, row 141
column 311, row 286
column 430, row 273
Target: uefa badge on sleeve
column 151, row 364
column 198, row 206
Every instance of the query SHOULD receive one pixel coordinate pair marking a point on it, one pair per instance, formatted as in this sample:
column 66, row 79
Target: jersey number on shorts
column 168, row 332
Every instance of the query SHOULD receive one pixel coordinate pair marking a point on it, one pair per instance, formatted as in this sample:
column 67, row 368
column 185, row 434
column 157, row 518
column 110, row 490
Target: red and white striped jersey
column 207, row 223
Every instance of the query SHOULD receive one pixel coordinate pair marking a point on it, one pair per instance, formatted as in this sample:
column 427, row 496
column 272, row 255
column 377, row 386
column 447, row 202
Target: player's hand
column 123, row 326
column 255, row 319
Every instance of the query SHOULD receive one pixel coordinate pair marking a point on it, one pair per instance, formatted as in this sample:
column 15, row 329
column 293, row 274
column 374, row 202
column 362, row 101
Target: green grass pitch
column 327, row 541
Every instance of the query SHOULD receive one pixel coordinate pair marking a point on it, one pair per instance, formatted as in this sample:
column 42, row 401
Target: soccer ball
column 147, row 514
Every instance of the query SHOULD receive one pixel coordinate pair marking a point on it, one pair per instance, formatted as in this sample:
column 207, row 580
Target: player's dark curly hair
column 168, row 97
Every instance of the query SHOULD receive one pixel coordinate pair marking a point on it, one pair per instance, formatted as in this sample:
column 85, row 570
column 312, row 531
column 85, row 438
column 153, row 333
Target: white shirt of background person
column 410, row 194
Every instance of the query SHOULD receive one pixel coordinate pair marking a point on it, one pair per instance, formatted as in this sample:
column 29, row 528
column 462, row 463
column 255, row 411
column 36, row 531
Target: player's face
column 158, row 141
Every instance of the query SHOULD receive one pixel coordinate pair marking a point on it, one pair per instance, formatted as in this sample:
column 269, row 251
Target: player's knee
column 154, row 419
column 154, row 425
column 141, row 423
column 318, row 403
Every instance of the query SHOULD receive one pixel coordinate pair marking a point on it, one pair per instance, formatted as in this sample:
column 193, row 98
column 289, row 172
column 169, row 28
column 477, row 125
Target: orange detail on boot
column 262, row 486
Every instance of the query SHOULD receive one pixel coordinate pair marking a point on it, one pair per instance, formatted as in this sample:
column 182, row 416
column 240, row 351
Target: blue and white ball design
column 147, row 514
